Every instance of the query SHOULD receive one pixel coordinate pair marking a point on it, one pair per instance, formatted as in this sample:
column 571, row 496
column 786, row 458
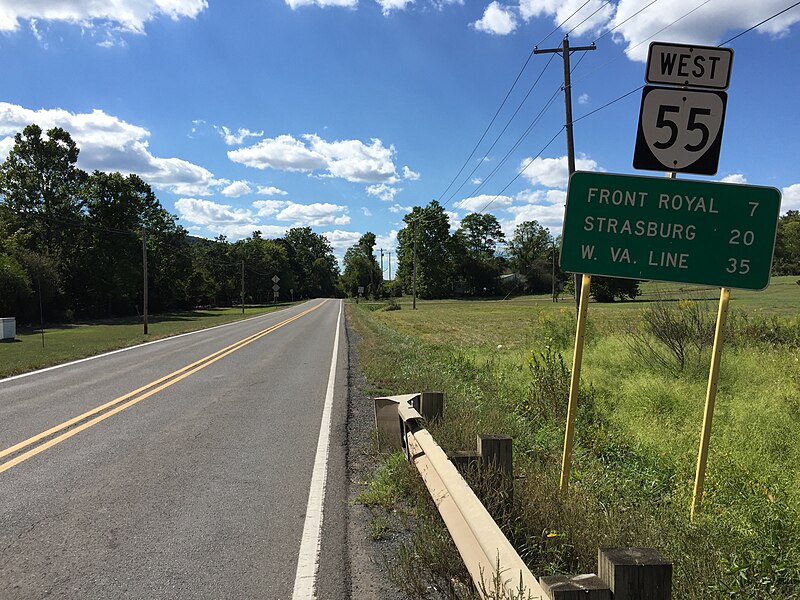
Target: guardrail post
column 496, row 454
column 579, row 587
column 635, row 573
column 431, row 406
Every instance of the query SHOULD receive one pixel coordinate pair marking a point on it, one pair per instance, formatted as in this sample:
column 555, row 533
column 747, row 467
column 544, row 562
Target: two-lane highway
column 178, row 469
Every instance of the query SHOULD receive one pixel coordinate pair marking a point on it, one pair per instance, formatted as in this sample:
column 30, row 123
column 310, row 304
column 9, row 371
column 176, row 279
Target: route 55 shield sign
column 680, row 130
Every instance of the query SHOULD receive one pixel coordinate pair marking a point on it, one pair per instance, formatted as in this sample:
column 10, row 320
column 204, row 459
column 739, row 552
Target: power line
column 601, row 7
column 560, row 25
column 749, row 29
column 500, row 135
column 638, row 12
column 757, row 25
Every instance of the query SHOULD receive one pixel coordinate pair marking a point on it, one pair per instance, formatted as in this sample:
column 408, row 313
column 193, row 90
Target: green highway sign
column 710, row 233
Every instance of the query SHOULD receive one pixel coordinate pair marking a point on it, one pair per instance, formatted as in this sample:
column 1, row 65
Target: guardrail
column 625, row 573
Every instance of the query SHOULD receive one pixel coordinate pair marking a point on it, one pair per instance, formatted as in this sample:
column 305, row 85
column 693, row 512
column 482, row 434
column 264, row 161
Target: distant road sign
column 361, row 289
column 275, row 279
column 276, row 287
column 710, row 233
column 689, row 66
column 680, row 130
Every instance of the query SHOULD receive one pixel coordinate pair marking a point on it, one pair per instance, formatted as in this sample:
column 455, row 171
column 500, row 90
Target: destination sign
column 710, row 233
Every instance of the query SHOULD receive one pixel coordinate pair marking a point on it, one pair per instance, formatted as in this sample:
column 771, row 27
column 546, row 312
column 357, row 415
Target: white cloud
column 383, row 192
column 561, row 10
column 709, row 25
column 389, row 5
column 396, row 208
column 128, row 15
column 341, row 240
column 387, row 242
column 734, row 178
column 791, row 198
column 108, row 143
column 236, row 189
column 583, row 98
column 294, row 4
column 206, row 212
column 409, row 174
column 268, row 208
column 497, row 19
column 268, row 190
column 366, row 211
column 236, row 139
column 541, row 196
column 349, row 159
column 478, row 203
column 454, row 219
column 554, row 172
column 547, row 215
column 317, row 214
column 476, row 181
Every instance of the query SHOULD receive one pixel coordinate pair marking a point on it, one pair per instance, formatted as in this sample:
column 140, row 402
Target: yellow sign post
column 711, row 394
column 575, row 382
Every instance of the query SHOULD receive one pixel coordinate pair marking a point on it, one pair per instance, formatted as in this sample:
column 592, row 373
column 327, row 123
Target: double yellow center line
column 55, row 435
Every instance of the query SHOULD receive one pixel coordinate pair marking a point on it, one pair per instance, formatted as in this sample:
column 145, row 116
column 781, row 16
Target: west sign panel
column 719, row 234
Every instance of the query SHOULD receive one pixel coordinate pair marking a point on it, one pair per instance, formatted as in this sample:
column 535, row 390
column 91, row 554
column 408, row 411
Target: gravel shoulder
column 370, row 560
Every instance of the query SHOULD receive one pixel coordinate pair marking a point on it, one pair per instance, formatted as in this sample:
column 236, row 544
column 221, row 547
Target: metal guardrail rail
column 484, row 548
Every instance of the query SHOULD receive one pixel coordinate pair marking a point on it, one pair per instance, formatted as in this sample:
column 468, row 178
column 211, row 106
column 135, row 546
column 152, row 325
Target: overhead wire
column 749, row 29
column 505, row 99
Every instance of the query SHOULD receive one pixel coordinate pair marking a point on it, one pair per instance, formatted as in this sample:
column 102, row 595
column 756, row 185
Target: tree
column 531, row 254
column 361, row 269
column 436, row 250
column 787, row 245
column 312, row 262
column 41, row 186
column 608, row 289
column 478, row 264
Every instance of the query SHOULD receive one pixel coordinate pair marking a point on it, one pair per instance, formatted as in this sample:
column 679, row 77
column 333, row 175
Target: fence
column 623, row 573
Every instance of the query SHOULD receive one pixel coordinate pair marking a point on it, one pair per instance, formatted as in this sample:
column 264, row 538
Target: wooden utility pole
column 565, row 52
column 144, row 277
column 414, row 285
column 582, row 282
column 242, row 286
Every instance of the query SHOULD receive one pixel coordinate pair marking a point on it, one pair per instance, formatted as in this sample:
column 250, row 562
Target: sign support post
column 711, row 394
column 574, row 384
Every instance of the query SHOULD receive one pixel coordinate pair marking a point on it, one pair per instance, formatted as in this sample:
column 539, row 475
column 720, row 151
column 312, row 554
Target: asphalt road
column 194, row 486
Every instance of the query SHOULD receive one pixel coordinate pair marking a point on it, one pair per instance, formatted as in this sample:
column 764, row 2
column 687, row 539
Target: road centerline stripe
column 119, row 404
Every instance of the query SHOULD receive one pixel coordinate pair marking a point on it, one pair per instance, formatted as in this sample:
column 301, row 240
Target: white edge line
column 172, row 337
column 308, row 560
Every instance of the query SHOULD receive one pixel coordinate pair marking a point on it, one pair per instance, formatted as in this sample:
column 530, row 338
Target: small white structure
column 8, row 328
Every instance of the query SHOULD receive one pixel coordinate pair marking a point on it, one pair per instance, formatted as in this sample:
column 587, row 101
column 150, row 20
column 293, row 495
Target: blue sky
column 343, row 114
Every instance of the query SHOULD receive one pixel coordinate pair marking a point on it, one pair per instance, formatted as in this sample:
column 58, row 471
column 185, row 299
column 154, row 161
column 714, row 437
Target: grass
column 70, row 342
column 505, row 367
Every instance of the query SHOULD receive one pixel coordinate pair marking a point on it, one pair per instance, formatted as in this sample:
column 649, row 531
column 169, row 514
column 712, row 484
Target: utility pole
column 565, row 52
column 144, row 276
column 414, row 286
column 390, row 265
column 242, row 286
column 381, row 263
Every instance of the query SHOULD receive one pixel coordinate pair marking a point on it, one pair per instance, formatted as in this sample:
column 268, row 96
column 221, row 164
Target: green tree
column 787, row 245
column 608, row 289
column 436, row 252
column 41, row 187
column 531, row 254
column 478, row 263
column 361, row 269
column 312, row 262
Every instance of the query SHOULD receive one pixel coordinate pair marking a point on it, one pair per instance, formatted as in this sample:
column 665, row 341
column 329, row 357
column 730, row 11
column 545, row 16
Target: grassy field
column 504, row 366
column 70, row 342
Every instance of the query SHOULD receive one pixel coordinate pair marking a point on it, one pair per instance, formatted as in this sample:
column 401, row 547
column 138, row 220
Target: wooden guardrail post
column 431, row 406
column 635, row 573
column 496, row 455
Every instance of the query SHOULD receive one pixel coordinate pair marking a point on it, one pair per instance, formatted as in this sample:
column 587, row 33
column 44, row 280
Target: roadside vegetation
column 504, row 366
column 71, row 342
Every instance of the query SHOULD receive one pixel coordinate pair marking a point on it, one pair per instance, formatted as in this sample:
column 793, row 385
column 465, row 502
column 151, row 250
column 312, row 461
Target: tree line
column 74, row 240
